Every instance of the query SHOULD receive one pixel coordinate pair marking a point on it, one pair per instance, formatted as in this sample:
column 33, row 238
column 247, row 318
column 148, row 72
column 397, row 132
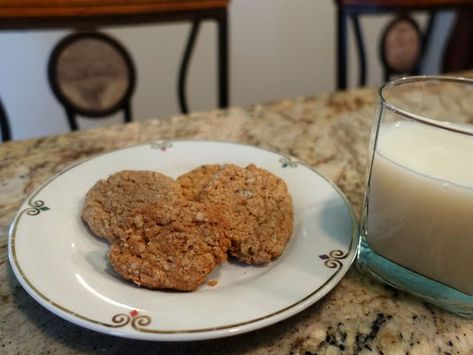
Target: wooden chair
column 92, row 75
column 93, row 14
column 403, row 42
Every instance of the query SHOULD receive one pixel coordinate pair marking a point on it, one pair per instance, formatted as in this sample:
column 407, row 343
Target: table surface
column 331, row 133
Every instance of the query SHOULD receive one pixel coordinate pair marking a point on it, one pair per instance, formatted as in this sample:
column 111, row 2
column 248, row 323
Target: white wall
column 279, row 49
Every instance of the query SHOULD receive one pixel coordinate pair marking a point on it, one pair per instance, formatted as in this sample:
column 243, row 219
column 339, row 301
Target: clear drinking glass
column 417, row 220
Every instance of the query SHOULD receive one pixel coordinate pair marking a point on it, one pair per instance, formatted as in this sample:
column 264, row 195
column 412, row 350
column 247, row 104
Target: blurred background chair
column 402, row 43
column 93, row 14
column 459, row 51
column 4, row 124
column 92, row 75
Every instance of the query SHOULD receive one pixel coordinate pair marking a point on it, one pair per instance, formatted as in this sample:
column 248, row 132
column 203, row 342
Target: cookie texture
column 171, row 246
column 258, row 207
column 109, row 201
column 195, row 180
column 171, row 234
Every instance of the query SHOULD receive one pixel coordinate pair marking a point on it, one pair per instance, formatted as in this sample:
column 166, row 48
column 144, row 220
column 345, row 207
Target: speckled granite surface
column 329, row 132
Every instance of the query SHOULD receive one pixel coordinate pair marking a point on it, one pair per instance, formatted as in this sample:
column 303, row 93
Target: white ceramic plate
column 63, row 267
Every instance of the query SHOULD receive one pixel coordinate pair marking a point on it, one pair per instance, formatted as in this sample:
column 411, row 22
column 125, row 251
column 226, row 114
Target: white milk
column 420, row 212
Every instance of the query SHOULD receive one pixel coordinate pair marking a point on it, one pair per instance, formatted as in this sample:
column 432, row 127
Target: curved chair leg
column 341, row 50
column 361, row 50
column 223, row 83
column 426, row 36
column 127, row 112
column 71, row 119
column 181, row 88
column 4, row 125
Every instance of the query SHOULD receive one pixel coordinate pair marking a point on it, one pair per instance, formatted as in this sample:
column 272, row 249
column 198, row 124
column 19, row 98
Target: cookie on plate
column 109, row 201
column 172, row 246
column 258, row 207
column 195, row 180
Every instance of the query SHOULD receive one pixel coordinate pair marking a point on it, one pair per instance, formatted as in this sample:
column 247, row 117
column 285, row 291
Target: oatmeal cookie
column 258, row 207
column 109, row 201
column 195, row 180
column 172, row 246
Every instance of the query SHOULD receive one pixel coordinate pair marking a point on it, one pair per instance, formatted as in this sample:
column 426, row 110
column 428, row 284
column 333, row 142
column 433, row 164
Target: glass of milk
column 417, row 220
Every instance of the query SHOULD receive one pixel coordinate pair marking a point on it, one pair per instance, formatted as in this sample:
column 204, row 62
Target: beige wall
column 279, row 49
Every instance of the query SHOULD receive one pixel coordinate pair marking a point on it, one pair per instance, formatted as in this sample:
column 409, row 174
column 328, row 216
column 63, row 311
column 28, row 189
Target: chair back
column 403, row 42
column 92, row 75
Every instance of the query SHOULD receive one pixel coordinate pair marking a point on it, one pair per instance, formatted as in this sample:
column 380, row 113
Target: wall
column 279, row 49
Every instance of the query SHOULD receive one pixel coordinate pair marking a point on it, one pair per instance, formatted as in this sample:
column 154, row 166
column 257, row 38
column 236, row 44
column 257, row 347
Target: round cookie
column 195, row 180
column 173, row 246
column 258, row 207
column 109, row 201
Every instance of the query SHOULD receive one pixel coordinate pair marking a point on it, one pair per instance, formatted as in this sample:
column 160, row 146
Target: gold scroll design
column 36, row 207
column 333, row 259
column 136, row 320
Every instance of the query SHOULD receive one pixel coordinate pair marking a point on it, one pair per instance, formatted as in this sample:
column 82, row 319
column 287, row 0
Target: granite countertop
column 329, row 132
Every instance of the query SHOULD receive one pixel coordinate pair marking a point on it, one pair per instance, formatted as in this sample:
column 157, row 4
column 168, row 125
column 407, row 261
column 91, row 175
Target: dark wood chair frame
column 352, row 12
column 195, row 17
column 220, row 16
column 4, row 124
column 71, row 109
